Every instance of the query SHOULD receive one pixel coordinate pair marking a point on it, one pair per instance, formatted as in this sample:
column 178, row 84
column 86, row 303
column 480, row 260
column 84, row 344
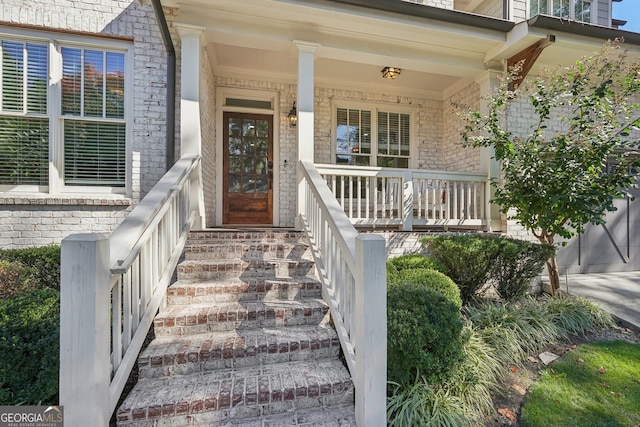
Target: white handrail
column 352, row 268
column 112, row 287
column 409, row 197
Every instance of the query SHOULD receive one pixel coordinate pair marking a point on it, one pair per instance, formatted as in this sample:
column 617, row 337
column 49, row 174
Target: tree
column 580, row 151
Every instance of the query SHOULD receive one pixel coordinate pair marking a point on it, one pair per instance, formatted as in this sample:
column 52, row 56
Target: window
column 372, row 137
column 579, row 10
column 24, row 126
column 62, row 107
column 93, row 113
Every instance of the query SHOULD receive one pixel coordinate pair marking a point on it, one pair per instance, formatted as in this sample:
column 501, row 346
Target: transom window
column 74, row 123
column 580, row 10
column 372, row 137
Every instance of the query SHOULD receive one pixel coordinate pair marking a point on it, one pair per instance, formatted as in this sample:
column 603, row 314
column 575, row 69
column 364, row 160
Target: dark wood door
column 248, row 169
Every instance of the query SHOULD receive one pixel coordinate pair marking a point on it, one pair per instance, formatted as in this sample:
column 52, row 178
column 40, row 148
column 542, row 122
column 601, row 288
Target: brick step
column 243, row 290
column 201, row 318
column 226, row 269
column 338, row 416
column 171, row 355
column 232, row 395
column 264, row 236
column 246, row 251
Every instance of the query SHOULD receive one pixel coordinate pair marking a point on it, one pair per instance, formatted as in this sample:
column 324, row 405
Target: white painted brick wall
column 37, row 221
column 208, row 131
column 128, row 18
column 458, row 158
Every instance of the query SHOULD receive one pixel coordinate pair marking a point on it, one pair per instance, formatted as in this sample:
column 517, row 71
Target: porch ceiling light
column 390, row 72
column 293, row 116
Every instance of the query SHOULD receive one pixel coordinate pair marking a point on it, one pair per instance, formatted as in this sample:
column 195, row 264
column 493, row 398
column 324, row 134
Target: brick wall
column 208, row 134
column 37, row 219
column 456, row 157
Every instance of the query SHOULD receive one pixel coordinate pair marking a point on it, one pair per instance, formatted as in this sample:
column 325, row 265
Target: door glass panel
column 234, row 164
column 249, row 128
column 262, row 147
column 248, row 184
column 235, row 126
column 262, row 130
column 234, row 183
column 262, row 185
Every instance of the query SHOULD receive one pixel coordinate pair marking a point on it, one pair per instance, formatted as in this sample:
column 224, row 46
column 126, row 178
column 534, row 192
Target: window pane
column 393, row 162
column 12, row 76
column 405, row 135
column 36, row 78
column 94, row 153
column 352, row 160
column 24, row 148
column 93, row 79
column 561, row 8
column 115, row 85
column 71, row 81
column 583, row 10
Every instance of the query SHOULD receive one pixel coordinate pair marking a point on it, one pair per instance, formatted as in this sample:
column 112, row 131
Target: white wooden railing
column 409, row 197
column 111, row 289
column 353, row 272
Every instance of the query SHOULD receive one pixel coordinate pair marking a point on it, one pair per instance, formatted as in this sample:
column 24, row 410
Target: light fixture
column 390, row 72
column 293, row 116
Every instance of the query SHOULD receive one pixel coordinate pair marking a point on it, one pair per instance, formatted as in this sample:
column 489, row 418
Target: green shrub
column 517, row 263
column 431, row 279
column 44, row 260
column 421, row 404
column 576, row 315
column 411, row 261
column 467, row 259
column 15, row 278
column 424, row 333
column 29, row 348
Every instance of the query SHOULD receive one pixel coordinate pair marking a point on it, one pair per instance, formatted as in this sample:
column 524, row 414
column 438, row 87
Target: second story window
column 579, row 10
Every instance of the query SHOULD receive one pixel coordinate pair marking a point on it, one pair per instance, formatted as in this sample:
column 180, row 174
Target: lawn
column 598, row 384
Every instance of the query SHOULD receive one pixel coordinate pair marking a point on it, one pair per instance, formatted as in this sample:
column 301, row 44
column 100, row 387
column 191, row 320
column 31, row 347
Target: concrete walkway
column 618, row 293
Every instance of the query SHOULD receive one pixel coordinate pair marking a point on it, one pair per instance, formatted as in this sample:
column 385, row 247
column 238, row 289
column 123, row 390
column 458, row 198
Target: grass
column 596, row 385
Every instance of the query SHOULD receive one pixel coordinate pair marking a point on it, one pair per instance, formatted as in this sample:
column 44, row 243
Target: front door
column 247, row 169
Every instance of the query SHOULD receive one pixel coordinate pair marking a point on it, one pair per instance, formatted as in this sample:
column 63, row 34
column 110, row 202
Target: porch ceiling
column 252, row 39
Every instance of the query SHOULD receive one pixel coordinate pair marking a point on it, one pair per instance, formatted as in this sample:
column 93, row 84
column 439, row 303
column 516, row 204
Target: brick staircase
column 244, row 340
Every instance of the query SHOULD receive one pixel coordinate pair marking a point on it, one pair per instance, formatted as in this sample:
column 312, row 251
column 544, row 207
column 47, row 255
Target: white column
column 190, row 142
column 305, row 104
column 190, row 132
column 371, row 331
column 85, row 328
column 305, row 100
column 488, row 82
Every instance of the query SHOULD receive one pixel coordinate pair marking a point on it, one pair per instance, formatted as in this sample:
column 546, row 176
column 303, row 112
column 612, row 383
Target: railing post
column 407, row 201
column 84, row 329
column 371, row 331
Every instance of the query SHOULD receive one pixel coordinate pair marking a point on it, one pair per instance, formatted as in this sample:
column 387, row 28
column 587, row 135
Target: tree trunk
column 554, row 275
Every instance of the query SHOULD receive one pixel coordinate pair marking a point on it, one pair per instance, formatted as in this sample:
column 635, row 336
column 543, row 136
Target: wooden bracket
column 528, row 56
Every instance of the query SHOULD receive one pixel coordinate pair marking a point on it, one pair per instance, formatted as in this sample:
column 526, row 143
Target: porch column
column 190, row 142
column 190, row 132
column 305, row 104
column 488, row 82
column 305, row 100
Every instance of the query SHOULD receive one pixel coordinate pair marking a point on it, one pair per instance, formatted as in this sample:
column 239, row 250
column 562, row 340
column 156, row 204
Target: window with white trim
column 580, row 10
column 372, row 137
column 62, row 107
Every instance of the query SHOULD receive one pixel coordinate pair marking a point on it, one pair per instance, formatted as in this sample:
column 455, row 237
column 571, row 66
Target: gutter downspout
column 171, row 82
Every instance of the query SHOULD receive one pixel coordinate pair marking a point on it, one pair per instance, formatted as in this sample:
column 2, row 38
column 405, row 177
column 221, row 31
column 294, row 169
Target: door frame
column 222, row 94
